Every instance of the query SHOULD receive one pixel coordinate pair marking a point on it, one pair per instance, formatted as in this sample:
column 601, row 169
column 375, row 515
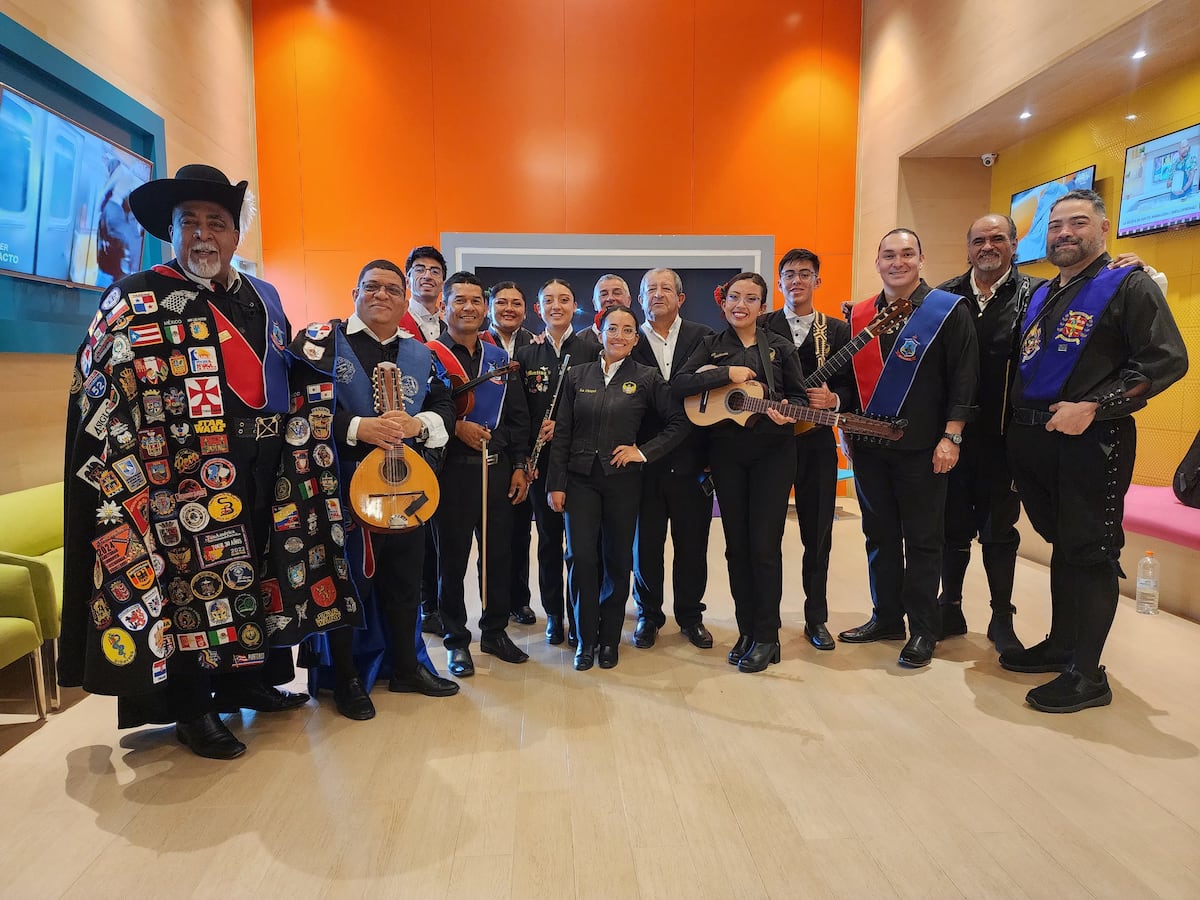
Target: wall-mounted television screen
column 1162, row 183
column 64, row 209
column 1030, row 210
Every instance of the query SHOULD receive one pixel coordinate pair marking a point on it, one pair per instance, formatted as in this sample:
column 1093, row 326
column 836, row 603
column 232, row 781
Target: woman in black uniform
column 752, row 467
column 595, row 477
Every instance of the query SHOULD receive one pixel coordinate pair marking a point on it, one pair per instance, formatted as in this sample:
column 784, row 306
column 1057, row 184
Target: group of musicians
column 946, row 395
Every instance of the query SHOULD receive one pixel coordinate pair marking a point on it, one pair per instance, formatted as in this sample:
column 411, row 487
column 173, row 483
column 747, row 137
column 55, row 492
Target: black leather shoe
column 459, row 662
column 608, row 656
column 699, row 635
column 259, row 697
column 1070, row 692
column 207, row 736
column 584, row 657
column 422, row 681
column 645, row 634
column 953, row 621
column 501, row 646
column 1002, row 635
column 352, row 701
column 817, row 634
column 759, row 656
column 917, row 652
column 524, row 616
column 554, row 630
column 873, row 630
column 431, row 623
column 740, row 649
column 1043, row 657
column 572, row 637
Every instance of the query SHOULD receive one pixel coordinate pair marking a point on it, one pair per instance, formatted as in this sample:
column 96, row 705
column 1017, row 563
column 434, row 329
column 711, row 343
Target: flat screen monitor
column 1030, row 210
column 64, row 210
column 1161, row 188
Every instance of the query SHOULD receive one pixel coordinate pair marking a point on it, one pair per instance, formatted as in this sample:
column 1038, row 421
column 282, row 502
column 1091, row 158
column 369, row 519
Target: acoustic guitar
column 740, row 402
column 890, row 318
column 393, row 490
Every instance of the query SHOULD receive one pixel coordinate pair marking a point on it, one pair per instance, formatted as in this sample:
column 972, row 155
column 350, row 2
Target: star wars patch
column 193, row 516
column 313, row 351
column 143, row 302
column 118, row 647
column 224, row 507
column 219, row 612
column 145, row 335
column 211, row 444
column 141, row 575
column 327, row 617
column 204, row 397
column 324, row 592
column 187, row 618
column 210, row 426
column 629, row 387
column 907, row 350
column 1074, row 326
column 101, row 613
column 153, row 442
column 297, row 432
column 203, row 360
column 238, row 575
column 333, row 509
column 250, row 636
column 134, row 617
column 153, row 601
column 223, row 545
column 206, row 585
column 178, row 363
column 158, row 471
column 320, row 419
column 161, row 643
column 189, row 489
column 218, row 473
column 118, row 548
column 322, row 455
column 286, row 517
column 198, row 328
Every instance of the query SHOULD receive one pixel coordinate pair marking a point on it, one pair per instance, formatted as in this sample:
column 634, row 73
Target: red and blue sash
column 1047, row 362
column 489, row 396
column 883, row 385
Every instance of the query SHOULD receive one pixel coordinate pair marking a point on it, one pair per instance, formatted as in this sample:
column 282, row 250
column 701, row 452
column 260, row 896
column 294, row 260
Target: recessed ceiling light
column 1025, row 115
column 1132, row 117
column 1140, row 54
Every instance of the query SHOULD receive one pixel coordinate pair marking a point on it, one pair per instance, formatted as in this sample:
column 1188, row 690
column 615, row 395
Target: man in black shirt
column 1096, row 344
column 460, row 517
column 927, row 374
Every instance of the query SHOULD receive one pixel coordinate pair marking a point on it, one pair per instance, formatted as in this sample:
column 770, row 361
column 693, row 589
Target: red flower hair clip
column 719, row 294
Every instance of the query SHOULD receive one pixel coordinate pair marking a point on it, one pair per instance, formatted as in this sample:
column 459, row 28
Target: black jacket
column 594, row 418
column 691, row 456
column 540, row 371
column 511, row 435
column 841, row 382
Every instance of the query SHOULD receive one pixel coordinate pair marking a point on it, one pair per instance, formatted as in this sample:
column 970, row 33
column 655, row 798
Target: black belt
column 257, row 427
column 473, row 459
column 1032, row 416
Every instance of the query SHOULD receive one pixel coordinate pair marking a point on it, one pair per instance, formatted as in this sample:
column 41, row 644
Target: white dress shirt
column 663, row 347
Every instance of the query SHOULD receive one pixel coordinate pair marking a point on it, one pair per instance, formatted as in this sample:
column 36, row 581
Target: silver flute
column 540, row 444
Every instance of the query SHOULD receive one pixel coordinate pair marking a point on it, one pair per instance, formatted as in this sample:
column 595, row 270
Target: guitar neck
column 793, row 411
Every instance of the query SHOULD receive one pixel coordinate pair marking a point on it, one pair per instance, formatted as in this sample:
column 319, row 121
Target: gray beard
column 204, row 269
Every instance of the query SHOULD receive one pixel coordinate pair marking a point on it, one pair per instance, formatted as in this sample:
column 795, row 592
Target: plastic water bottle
column 1147, row 585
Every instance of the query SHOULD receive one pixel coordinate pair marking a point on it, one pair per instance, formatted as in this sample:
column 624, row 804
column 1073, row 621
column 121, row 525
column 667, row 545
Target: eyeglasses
column 374, row 287
column 623, row 330
column 802, row 275
column 420, row 270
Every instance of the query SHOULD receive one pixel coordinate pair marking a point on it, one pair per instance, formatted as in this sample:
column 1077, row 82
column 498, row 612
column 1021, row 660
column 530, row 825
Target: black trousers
column 458, row 521
column 429, row 570
column 551, row 531
column 753, row 473
column 601, row 511
column 1073, row 488
column 903, row 505
column 815, row 485
column 518, row 551
column 678, row 499
column 982, row 502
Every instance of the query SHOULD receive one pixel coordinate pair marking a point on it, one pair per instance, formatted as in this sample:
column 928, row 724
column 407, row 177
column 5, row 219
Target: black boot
column 1000, row 632
column 953, row 621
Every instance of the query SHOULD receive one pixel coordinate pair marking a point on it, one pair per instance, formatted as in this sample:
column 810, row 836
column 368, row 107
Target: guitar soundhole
column 393, row 470
column 736, row 400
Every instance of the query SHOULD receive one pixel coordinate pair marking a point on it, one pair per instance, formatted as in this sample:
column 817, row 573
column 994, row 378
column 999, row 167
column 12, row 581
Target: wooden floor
column 834, row 774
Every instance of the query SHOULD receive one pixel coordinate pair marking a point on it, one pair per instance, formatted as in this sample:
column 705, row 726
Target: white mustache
column 208, row 248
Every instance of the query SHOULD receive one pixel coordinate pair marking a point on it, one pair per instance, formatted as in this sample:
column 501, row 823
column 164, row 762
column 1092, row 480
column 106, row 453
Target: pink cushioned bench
column 1155, row 512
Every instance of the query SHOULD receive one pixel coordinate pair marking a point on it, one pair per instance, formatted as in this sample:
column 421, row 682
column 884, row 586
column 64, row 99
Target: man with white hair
column 610, row 290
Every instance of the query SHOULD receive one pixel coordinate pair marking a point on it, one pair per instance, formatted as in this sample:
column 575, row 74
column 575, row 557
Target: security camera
column 989, row 159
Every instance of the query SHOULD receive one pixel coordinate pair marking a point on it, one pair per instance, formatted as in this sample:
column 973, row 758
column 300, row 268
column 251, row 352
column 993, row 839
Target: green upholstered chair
column 31, row 535
column 20, row 631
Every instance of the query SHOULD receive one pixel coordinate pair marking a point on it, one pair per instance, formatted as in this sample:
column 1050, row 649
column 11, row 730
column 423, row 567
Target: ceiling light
column 1025, row 115
column 1140, row 54
column 1132, row 117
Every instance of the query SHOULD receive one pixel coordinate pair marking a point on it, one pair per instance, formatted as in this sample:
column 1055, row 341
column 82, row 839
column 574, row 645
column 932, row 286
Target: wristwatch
column 952, row 438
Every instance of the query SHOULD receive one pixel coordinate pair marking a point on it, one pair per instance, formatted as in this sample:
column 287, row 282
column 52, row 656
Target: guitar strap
column 764, row 355
column 820, row 333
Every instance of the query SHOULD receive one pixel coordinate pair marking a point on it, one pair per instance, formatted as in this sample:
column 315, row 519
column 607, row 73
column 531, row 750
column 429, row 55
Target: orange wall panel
column 383, row 124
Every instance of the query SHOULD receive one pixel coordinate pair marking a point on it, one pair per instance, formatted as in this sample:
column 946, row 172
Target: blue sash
column 1044, row 373
column 900, row 368
column 489, row 396
column 356, row 393
column 275, row 372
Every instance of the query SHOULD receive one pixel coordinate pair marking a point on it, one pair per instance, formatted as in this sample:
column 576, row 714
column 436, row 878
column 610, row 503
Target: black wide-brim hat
column 154, row 202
